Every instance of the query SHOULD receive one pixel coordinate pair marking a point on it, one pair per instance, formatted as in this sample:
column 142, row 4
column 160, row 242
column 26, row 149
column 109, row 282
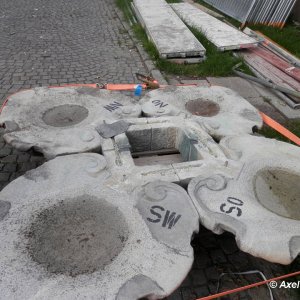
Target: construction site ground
column 86, row 41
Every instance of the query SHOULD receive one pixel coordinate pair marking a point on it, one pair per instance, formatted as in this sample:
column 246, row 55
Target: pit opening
column 204, row 108
column 161, row 146
column 77, row 236
column 278, row 191
column 65, row 115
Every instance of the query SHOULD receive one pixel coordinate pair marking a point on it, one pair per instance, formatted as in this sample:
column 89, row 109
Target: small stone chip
column 111, row 130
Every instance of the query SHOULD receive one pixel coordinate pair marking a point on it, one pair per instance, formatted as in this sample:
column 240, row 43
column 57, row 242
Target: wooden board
column 269, row 71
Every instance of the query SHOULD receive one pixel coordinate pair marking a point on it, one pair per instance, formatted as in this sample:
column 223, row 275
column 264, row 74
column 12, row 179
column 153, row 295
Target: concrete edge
column 155, row 73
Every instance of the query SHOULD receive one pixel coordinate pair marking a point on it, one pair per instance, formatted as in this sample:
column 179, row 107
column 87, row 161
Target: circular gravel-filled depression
column 77, row 236
column 65, row 115
column 278, row 191
column 204, row 108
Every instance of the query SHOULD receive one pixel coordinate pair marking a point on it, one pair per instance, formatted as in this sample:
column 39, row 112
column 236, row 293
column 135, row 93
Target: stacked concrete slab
column 117, row 226
column 222, row 35
column 170, row 35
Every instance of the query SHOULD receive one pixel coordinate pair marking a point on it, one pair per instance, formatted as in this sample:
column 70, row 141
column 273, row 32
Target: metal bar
column 268, row 84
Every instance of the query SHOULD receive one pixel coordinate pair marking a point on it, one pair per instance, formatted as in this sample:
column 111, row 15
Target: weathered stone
column 58, row 121
column 220, row 111
column 83, row 234
column 261, row 194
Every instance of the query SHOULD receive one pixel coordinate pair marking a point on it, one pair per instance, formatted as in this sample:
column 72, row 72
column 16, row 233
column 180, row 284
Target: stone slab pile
column 167, row 31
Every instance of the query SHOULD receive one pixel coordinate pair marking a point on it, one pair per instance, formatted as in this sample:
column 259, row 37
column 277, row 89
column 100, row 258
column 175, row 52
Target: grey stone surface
column 62, row 120
column 171, row 214
column 223, row 36
column 219, row 110
column 113, row 129
column 261, row 194
column 81, row 236
column 170, row 35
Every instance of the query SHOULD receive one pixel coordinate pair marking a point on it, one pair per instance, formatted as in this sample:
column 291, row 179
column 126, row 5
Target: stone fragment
column 62, row 120
column 73, row 229
column 258, row 202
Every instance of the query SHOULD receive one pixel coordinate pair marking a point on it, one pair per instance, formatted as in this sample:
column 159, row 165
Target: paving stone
column 175, row 296
column 202, row 259
column 4, row 177
column 75, row 41
column 197, row 277
column 187, row 282
column 27, row 166
column 228, row 243
column 212, row 274
column 23, row 157
column 239, row 260
column 10, row 167
column 202, row 291
column 9, row 158
column 5, row 151
column 188, row 294
column 218, row 256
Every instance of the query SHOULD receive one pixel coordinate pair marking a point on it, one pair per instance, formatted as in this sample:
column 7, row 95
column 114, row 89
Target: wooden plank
column 278, row 62
column 223, row 36
column 269, row 71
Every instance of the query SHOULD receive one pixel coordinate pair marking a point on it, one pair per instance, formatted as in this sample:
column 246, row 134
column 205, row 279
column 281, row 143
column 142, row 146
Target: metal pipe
column 267, row 83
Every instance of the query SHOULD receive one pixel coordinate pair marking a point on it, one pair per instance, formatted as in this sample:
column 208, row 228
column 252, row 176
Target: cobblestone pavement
column 58, row 42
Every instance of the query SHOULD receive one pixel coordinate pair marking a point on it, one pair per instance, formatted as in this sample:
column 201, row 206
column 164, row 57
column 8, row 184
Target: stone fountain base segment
column 92, row 234
column 220, row 111
column 62, row 120
column 258, row 202
column 170, row 35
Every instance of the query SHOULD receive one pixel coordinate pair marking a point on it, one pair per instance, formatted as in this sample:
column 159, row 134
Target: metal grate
column 267, row 12
column 238, row 10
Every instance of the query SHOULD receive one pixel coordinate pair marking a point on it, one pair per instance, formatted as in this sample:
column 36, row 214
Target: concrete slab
column 223, row 36
column 170, row 35
column 258, row 203
column 220, row 111
column 205, row 9
column 62, row 120
column 89, row 235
